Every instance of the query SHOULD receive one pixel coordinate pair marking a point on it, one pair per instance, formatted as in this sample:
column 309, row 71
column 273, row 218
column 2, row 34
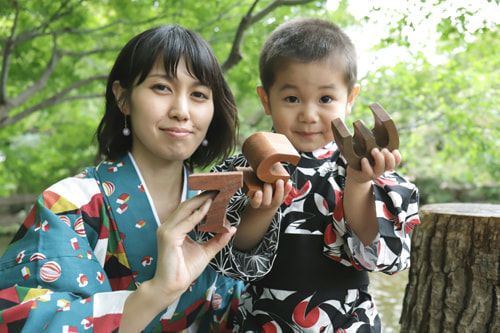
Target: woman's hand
column 180, row 261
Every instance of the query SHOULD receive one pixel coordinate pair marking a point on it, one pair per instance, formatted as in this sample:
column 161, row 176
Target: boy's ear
column 351, row 98
column 264, row 100
column 119, row 92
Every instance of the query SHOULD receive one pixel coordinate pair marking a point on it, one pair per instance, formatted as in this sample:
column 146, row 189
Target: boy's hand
column 256, row 217
column 271, row 196
column 384, row 161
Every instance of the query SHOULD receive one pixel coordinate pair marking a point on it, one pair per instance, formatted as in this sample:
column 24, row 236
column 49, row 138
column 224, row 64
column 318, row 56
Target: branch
column 40, row 30
column 44, row 29
column 18, row 199
column 219, row 16
column 28, row 35
column 94, row 51
column 53, row 100
column 8, row 49
column 74, row 31
column 275, row 4
column 235, row 55
column 40, row 83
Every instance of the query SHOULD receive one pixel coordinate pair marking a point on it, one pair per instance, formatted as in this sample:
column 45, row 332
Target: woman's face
column 170, row 115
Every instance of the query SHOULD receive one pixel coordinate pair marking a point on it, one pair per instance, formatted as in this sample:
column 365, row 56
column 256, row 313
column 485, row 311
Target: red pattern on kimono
column 315, row 267
column 89, row 241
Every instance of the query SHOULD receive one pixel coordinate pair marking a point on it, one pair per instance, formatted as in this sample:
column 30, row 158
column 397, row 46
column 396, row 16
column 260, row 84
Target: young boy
column 336, row 223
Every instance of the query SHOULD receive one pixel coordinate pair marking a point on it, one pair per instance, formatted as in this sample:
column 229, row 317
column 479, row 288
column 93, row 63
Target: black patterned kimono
column 315, row 267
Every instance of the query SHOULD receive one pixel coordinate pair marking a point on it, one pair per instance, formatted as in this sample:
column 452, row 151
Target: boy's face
column 304, row 99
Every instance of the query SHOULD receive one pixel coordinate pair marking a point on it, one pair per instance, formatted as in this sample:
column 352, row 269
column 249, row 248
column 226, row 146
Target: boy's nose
column 308, row 114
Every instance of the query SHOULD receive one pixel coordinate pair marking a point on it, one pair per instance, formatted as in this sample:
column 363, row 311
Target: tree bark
column 454, row 278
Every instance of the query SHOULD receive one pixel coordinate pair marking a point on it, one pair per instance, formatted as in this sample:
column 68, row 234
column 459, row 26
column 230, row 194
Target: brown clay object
column 226, row 184
column 264, row 152
column 354, row 148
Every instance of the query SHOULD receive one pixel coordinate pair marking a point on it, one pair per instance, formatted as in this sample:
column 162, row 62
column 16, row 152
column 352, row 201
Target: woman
column 109, row 248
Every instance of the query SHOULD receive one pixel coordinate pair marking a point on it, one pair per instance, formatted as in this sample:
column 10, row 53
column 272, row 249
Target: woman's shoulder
column 83, row 184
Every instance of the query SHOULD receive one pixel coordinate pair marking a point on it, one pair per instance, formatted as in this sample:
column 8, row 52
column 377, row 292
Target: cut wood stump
column 454, row 276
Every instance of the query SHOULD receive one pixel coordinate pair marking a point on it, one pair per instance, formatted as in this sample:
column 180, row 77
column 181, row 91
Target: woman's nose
column 179, row 108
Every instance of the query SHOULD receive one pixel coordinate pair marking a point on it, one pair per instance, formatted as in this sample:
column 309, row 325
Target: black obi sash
column 300, row 265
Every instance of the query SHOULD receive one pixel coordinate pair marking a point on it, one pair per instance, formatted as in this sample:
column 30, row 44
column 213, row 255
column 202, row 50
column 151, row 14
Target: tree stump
column 454, row 276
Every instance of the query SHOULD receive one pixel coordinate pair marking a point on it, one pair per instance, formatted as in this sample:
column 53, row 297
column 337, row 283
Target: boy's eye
column 291, row 99
column 325, row 99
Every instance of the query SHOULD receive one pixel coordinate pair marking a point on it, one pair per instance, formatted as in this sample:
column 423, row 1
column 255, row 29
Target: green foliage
column 447, row 109
column 51, row 150
column 448, row 113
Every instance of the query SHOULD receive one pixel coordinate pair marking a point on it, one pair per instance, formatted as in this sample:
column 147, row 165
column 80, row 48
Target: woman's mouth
column 176, row 132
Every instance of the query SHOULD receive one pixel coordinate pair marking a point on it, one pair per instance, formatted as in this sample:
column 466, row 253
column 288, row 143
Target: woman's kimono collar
column 130, row 205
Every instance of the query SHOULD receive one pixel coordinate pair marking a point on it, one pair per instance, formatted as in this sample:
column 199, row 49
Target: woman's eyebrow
column 161, row 75
column 166, row 76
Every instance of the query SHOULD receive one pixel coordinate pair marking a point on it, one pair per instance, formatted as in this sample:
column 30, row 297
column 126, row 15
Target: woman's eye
column 199, row 94
column 325, row 99
column 161, row 87
column 291, row 99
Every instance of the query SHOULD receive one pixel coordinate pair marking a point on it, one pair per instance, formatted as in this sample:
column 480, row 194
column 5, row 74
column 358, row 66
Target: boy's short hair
column 307, row 40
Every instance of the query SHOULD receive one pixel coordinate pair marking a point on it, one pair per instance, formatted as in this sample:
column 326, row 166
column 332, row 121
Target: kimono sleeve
column 249, row 265
column 50, row 276
column 396, row 202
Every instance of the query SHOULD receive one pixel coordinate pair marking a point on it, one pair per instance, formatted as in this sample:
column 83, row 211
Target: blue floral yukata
column 314, row 266
column 89, row 241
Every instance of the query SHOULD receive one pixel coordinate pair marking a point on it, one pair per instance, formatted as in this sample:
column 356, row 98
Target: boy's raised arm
column 359, row 202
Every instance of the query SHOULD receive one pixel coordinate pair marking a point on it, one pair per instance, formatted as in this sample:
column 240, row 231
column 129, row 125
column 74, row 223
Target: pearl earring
column 204, row 143
column 126, row 130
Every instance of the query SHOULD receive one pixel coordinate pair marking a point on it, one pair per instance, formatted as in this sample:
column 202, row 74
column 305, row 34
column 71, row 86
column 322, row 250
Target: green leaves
column 446, row 106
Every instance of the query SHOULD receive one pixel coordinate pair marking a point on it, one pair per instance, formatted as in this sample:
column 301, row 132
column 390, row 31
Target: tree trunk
column 454, row 278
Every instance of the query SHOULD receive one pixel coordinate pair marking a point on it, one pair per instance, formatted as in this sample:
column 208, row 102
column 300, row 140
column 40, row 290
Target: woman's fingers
column 215, row 244
column 190, row 212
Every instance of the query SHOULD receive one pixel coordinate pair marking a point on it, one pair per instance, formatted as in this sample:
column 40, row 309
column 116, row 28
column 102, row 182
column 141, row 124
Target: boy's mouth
column 307, row 135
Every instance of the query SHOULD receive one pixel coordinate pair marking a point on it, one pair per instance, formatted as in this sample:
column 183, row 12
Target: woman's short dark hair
column 307, row 40
column 133, row 64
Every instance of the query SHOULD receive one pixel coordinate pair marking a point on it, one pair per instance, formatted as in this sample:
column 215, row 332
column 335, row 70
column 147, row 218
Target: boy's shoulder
column 231, row 163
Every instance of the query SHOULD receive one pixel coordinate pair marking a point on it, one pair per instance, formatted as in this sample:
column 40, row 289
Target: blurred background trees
column 433, row 66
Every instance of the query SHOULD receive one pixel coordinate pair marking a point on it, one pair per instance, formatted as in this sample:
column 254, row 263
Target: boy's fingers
column 268, row 194
column 390, row 160
column 397, row 156
column 288, row 188
column 256, row 200
column 279, row 192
